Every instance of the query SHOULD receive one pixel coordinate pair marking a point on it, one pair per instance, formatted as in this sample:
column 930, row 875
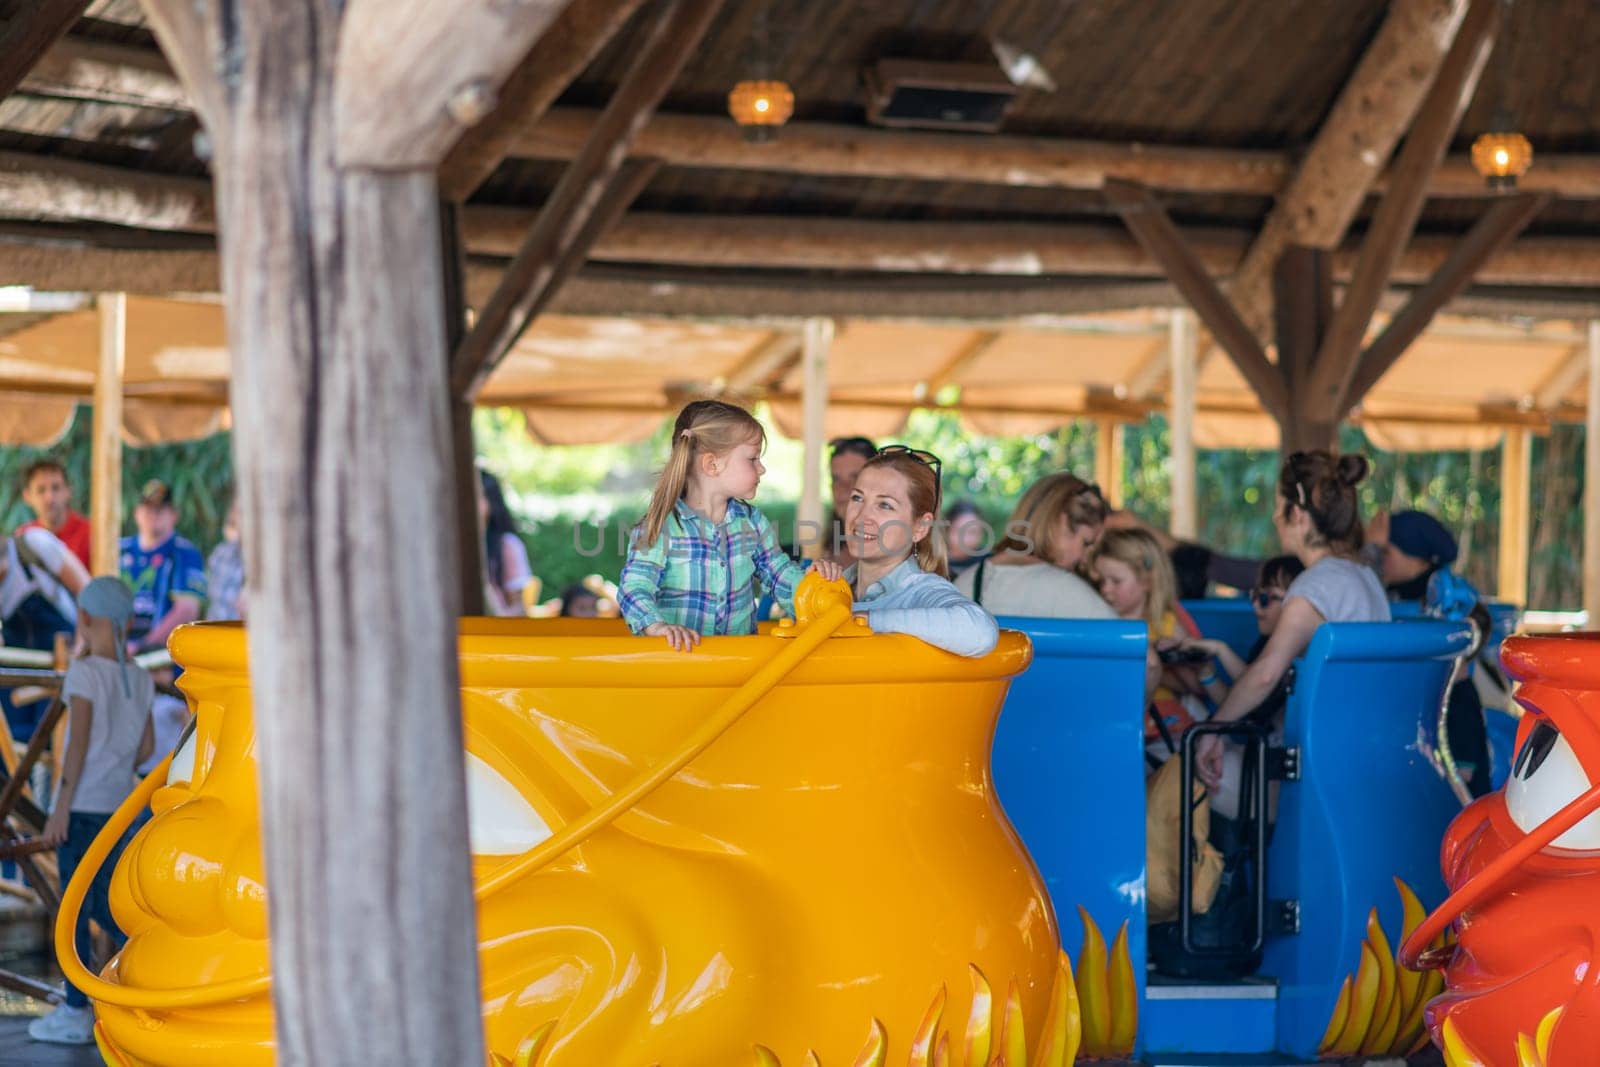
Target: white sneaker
column 64, row 1026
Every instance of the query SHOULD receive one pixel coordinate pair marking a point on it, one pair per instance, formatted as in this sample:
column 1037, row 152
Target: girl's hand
column 55, row 827
column 1209, row 645
column 681, row 638
column 829, row 570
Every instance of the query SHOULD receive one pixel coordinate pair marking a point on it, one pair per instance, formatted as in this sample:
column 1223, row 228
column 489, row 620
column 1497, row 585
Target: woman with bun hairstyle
column 1317, row 521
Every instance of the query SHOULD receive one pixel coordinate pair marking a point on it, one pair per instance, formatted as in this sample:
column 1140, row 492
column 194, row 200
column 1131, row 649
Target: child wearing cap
column 109, row 732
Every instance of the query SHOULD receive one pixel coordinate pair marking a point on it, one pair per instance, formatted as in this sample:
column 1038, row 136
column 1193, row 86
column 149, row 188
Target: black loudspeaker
column 940, row 96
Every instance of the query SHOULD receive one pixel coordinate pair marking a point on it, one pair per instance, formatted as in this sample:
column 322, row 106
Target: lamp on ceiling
column 760, row 105
column 1503, row 154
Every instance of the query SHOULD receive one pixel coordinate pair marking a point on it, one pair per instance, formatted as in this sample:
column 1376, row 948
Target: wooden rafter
column 403, row 95
column 1553, row 391
column 1373, row 110
column 1494, row 231
column 556, row 248
column 78, row 68
column 25, row 38
column 765, row 364
column 559, row 56
column 1155, row 231
column 568, row 216
column 1390, row 230
column 953, row 367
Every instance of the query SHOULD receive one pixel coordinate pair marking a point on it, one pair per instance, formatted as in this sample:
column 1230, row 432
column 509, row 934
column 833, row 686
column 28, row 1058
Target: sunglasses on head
column 1265, row 598
column 927, row 459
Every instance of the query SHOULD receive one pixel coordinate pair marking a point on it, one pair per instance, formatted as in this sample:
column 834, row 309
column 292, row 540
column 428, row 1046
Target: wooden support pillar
column 1516, row 480
column 1108, row 434
column 816, row 338
column 463, row 451
column 1591, row 484
column 105, row 488
column 1183, row 348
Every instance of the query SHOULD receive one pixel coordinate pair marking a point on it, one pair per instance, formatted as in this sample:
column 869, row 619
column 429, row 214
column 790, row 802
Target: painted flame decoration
column 1379, row 1010
column 1531, row 1051
column 1096, row 1009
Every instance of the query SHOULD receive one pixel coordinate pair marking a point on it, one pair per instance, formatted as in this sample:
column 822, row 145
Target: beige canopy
column 585, row 380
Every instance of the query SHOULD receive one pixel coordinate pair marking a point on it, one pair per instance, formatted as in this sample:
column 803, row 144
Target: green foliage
column 199, row 472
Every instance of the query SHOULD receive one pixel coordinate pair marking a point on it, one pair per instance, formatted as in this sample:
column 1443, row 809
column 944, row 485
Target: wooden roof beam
column 1494, row 231
column 1375, row 107
column 1155, row 231
column 1553, row 391
column 566, row 227
column 768, row 362
column 1396, row 218
column 78, row 68
column 25, row 38
column 559, row 56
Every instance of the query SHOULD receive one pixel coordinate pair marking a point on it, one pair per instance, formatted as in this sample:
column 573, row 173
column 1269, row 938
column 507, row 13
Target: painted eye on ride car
column 501, row 821
column 1546, row 778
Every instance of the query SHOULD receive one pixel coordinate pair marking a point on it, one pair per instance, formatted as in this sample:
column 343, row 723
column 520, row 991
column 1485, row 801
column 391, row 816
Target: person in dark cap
column 1414, row 545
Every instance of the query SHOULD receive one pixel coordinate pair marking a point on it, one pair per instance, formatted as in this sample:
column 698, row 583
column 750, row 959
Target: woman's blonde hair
column 1033, row 528
column 705, row 426
column 924, row 495
column 1144, row 555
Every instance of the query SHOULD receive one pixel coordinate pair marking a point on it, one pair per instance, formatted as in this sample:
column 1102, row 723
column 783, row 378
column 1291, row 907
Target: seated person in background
column 849, row 455
column 1411, row 547
column 39, row 579
column 899, row 579
column 1032, row 571
column 579, row 602
column 1136, row 580
column 1315, row 512
column 967, row 535
column 505, row 557
column 1277, row 574
column 225, row 573
column 1195, row 566
column 48, row 493
column 168, row 579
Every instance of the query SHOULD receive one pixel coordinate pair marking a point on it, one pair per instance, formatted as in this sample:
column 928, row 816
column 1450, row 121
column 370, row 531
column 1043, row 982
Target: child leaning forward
column 692, row 564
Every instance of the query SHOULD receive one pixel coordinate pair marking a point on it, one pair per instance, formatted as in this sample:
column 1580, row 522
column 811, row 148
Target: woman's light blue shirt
column 910, row 600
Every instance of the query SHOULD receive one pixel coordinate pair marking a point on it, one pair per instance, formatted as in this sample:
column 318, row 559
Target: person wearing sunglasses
column 900, row 581
column 1277, row 574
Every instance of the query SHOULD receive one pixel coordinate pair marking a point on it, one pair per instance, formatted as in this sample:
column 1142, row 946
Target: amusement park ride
column 792, row 849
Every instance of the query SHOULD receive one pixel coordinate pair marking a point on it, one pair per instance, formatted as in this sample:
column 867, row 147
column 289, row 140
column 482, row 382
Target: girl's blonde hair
column 1147, row 559
column 705, row 426
column 924, row 495
column 1033, row 527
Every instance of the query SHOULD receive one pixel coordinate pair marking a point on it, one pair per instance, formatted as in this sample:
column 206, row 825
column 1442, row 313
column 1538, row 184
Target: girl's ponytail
column 668, row 489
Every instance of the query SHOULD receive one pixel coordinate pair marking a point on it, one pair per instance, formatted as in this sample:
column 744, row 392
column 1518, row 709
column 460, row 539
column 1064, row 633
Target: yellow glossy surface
column 825, row 867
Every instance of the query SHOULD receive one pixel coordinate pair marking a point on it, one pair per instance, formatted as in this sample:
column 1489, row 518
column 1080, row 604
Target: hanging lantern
column 1502, row 156
column 760, row 107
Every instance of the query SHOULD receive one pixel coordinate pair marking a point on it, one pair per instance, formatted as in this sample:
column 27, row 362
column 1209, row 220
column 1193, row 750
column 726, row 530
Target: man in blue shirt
column 168, row 579
column 165, row 572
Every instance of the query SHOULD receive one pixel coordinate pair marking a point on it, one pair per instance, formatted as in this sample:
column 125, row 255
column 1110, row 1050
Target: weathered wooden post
column 327, row 122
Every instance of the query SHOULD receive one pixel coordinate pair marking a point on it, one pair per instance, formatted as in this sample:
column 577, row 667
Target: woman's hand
column 681, row 638
column 1208, row 759
column 1209, row 645
column 55, row 827
column 830, row 570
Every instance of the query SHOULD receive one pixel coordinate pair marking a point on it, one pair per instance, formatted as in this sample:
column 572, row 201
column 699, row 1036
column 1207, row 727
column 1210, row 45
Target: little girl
column 1136, row 579
column 693, row 562
column 109, row 731
column 900, row 578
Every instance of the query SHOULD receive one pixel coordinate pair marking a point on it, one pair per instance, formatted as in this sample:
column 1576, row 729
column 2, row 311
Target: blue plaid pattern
column 702, row 574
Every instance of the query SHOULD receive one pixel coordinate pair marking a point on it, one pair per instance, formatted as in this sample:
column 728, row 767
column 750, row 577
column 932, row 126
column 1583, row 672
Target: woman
column 1047, row 537
column 899, row 578
column 505, row 558
column 1317, row 521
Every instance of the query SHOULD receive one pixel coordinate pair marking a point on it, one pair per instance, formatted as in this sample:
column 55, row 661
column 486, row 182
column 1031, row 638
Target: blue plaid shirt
column 702, row 574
